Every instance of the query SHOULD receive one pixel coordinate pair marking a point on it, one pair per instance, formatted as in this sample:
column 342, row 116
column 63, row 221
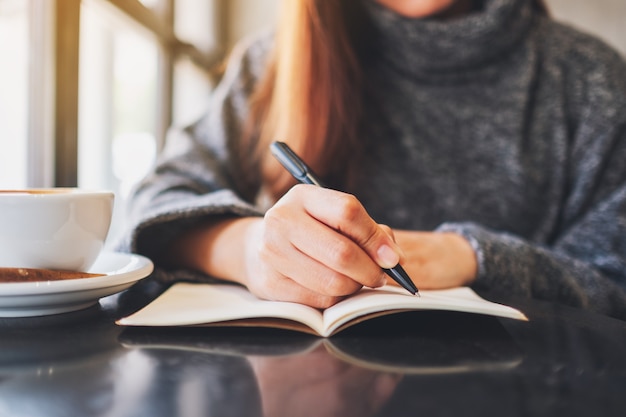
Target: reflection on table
column 562, row 362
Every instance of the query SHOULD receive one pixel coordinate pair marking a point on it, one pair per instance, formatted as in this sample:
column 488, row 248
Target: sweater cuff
column 501, row 258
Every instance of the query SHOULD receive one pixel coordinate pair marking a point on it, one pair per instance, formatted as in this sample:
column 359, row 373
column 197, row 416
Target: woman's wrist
column 214, row 248
column 465, row 256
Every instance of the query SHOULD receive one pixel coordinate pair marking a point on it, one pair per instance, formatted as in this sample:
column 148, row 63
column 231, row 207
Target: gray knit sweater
column 502, row 126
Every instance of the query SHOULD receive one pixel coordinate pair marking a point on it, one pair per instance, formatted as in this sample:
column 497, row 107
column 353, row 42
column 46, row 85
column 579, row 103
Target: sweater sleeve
column 584, row 264
column 197, row 176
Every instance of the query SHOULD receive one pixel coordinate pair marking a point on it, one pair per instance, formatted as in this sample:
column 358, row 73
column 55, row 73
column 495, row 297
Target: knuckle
column 341, row 253
column 386, row 229
column 294, row 193
column 336, row 285
column 265, row 251
column 275, row 227
column 274, row 216
column 348, row 207
column 265, row 247
column 376, row 278
column 370, row 239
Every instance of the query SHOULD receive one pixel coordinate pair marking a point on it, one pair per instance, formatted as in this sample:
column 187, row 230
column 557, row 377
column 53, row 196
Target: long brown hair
column 312, row 91
column 310, row 95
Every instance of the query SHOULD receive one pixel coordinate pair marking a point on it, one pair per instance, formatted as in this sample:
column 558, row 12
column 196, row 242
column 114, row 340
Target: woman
column 489, row 139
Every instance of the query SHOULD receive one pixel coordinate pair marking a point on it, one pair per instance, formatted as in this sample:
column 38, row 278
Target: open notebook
column 187, row 304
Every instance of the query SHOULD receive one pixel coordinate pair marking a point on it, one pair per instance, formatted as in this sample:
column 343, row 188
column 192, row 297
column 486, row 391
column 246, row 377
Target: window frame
column 53, row 122
column 41, row 92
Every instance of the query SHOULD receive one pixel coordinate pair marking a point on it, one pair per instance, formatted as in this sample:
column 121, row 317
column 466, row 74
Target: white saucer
column 23, row 299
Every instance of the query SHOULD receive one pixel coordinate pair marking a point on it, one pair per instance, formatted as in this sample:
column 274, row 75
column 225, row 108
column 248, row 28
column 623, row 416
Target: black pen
column 303, row 173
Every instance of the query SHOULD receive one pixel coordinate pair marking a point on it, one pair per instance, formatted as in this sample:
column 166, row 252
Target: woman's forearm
column 215, row 248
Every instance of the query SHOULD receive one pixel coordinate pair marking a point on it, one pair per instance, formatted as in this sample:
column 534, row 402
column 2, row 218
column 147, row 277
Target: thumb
column 394, row 247
column 378, row 241
column 388, row 230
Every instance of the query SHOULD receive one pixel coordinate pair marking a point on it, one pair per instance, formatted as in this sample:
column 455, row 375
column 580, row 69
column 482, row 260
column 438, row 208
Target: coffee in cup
column 53, row 228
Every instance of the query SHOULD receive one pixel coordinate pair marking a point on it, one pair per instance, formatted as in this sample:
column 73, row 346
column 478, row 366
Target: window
column 89, row 88
column 118, row 87
column 14, row 92
column 25, row 93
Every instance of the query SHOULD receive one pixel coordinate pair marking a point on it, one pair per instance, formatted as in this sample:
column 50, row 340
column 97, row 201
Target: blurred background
column 89, row 88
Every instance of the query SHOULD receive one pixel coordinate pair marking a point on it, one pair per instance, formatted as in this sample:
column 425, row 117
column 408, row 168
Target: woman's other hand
column 437, row 260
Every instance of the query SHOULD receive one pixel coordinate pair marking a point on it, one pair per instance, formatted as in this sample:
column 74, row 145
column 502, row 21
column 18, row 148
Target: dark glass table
column 563, row 362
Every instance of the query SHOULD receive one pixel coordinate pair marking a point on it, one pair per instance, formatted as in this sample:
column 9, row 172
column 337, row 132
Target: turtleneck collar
column 429, row 46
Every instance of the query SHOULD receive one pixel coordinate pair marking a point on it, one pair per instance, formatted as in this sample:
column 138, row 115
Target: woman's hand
column 437, row 260
column 314, row 246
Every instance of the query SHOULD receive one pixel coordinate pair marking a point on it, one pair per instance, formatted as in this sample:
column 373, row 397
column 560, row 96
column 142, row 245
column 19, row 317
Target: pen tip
column 401, row 277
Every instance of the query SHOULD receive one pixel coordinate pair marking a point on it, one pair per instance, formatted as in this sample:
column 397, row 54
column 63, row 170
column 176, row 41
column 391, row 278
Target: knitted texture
column 502, row 126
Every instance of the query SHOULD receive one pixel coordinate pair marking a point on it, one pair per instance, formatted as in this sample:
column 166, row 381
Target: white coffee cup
column 53, row 228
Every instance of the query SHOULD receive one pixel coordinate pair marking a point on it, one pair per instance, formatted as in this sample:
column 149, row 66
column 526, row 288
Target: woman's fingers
column 275, row 286
column 323, row 260
column 345, row 214
column 316, row 246
column 338, row 257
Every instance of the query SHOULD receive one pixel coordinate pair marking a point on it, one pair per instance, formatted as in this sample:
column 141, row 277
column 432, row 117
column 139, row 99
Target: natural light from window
column 13, row 93
column 118, row 99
